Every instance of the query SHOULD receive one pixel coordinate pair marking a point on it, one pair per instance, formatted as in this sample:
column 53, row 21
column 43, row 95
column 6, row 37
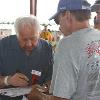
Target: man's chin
column 27, row 50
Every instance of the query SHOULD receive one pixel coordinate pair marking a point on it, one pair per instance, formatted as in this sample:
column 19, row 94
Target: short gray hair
column 26, row 20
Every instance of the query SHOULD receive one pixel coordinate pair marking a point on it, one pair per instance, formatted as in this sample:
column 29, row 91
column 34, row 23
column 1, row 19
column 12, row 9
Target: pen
column 24, row 79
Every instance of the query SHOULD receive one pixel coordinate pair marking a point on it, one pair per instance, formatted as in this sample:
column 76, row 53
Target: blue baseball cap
column 71, row 5
column 96, row 6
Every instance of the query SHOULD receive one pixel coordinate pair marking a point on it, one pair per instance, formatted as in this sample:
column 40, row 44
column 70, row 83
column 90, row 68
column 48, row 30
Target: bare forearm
column 18, row 79
column 2, row 81
column 37, row 94
column 50, row 97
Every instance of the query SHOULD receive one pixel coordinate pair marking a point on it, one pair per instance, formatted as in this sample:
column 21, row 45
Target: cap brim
column 94, row 8
column 54, row 16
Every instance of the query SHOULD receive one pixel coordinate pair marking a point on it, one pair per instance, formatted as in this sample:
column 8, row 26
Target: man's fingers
column 22, row 76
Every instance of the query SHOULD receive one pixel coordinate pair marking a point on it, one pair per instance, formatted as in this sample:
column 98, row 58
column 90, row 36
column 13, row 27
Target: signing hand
column 18, row 79
column 36, row 93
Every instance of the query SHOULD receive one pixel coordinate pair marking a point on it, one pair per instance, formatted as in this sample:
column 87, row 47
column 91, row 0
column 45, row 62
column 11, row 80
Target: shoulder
column 65, row 41
column 8, row 40
column 44, row 43
column 44, row 46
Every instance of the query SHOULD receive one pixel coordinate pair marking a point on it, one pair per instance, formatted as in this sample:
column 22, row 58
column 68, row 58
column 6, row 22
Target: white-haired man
column 22, row 54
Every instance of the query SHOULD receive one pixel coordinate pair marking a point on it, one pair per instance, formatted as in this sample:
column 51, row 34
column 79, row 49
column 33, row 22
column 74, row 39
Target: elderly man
column 76, row 71
column 22, row 54
column 96, row 8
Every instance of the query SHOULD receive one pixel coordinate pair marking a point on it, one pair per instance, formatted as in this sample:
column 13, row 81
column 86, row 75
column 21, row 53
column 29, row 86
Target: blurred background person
column 97, row 22
column 46, row 34
column 96, row 8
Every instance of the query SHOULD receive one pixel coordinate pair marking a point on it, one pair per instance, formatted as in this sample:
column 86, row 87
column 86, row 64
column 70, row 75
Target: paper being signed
column 13, row 92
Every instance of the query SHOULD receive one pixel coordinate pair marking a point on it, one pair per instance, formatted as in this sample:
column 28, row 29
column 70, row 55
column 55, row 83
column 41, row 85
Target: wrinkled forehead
column 29, row 28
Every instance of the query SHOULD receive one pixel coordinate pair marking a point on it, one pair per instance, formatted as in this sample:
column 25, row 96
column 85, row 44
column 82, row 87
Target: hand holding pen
column 18, row 79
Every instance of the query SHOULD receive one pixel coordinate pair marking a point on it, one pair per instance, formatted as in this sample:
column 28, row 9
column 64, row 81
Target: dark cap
column 71, row 5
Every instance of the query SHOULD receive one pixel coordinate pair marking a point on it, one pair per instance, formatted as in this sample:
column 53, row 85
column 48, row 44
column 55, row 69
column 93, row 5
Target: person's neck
column 80, row 25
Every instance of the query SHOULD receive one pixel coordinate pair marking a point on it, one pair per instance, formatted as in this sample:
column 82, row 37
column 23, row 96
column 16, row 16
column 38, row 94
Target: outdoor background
column 10, row 9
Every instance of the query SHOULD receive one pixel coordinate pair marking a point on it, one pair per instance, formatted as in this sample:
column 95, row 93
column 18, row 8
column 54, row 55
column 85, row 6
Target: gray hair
column 26, row 20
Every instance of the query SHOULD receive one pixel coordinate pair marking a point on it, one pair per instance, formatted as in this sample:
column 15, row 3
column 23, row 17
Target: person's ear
column 69, row 16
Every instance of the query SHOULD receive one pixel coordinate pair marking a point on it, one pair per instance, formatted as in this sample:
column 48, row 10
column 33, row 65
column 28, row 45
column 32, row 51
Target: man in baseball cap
column 76, row 70
column 78, row 6
column 70, row 5
column 96, row 8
